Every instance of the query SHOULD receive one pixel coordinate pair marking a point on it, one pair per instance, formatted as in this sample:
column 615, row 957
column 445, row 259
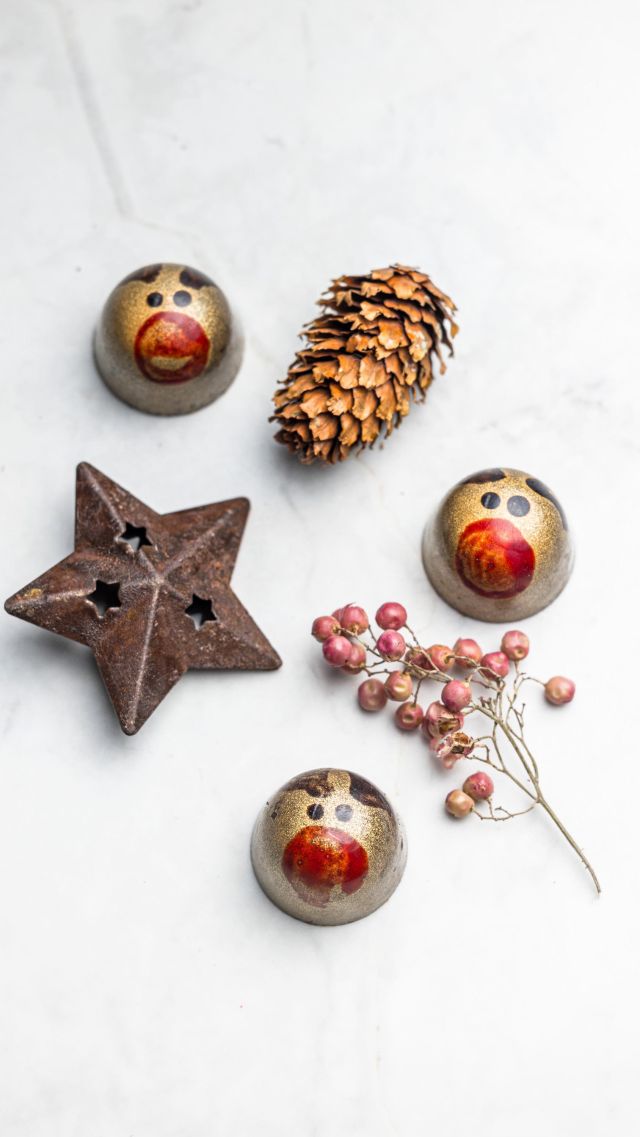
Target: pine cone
column 369, row 350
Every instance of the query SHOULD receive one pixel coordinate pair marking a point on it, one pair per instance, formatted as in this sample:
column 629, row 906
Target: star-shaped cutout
column 148, row 593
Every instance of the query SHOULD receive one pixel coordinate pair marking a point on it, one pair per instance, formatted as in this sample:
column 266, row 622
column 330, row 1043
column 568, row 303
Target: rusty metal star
column 148, row 593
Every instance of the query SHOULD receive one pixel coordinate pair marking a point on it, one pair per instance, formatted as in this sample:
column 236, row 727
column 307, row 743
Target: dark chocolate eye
column 181, row 298
column 315, row 811
column 344, row 812
column 518, row 506
column 490, row 500
column 154, row 299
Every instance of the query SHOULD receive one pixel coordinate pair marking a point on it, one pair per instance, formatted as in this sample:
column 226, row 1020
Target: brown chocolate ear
column 483, row 476
column 316, row 783
column 147, row 274
column 191, row 278
column 539, row 487
column 366, row 794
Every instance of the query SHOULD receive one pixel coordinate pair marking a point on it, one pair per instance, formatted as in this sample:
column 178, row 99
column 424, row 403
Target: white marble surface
column 147, row 988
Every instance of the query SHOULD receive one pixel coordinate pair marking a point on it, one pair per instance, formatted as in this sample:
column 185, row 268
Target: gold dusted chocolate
column 166, row 341
column 328, row 847
column 498, row 547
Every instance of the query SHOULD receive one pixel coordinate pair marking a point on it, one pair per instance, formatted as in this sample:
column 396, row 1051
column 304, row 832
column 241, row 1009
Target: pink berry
column 323, row 627
column 408, row 716
column 337, row 615
column 495, row 665
column 467, row 652
column 559, row 690
column 354, row 619
column 441, row 657
column 452, row 747
column 479, row 786
column 515, row 645
column 443, row 753
column 456, row 695
column 391, row 616
column 391, row 645
column 439, row 721
column 336, row 650
column 458, row 803
column 399, row 686
column 372, row 695
column 418, row 658
column 357, row 659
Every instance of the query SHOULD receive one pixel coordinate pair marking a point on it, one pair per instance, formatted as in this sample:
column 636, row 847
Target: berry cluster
column 471, row 680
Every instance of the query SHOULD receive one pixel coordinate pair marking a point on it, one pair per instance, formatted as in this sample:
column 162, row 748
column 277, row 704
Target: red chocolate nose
column 318, row 858
column 494, row 559
column 171, row 348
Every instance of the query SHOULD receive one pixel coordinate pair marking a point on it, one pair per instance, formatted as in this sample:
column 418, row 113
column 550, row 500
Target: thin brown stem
column 507, row 814
column 533, row 776
column 574, row 844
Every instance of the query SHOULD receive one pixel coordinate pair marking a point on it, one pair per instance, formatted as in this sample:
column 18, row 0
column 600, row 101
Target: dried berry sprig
column 491, row 685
